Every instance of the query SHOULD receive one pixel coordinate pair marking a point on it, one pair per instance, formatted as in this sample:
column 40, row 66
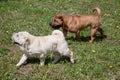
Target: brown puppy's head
column 57, row 21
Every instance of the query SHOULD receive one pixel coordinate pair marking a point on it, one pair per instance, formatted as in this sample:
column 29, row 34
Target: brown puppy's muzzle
column 54, row 26
column 51, row 24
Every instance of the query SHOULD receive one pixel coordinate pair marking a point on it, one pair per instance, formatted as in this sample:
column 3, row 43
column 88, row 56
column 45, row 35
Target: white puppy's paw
column 18, row 64
column 72, row 61
column 42, row 64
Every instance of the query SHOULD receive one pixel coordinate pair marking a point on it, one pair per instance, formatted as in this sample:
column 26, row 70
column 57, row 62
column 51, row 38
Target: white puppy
column 40, row 46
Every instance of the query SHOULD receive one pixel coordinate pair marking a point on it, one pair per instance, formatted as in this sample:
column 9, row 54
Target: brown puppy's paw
column 90, row 41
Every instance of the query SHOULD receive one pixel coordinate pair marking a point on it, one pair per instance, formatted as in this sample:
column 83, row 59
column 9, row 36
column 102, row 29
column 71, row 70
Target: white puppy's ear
column 27, row 42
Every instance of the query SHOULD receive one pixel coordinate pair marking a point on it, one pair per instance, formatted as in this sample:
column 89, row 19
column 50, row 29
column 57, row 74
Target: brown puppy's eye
column 54, row 20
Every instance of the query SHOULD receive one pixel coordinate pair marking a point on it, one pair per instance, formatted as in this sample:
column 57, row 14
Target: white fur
column 42, row 45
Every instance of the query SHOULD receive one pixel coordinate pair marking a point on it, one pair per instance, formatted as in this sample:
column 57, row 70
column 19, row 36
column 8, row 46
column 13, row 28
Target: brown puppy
column 76, row 23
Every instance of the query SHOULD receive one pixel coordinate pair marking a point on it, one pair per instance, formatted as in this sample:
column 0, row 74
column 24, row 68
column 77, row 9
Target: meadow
column 97, row 61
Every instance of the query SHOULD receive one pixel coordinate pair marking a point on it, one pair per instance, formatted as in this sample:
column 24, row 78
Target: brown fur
column 76, row 23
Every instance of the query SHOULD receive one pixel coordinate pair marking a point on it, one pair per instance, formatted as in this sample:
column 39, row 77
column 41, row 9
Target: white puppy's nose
column 13, row 37
column 13, row 34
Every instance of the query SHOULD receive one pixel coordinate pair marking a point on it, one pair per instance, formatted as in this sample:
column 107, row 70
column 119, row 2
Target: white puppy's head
column 20, row 38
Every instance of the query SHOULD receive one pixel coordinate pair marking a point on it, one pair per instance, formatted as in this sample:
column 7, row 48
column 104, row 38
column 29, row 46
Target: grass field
column 97, row 61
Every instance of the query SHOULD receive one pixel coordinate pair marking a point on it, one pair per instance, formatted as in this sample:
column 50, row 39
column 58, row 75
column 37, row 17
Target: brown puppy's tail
column 98, row 12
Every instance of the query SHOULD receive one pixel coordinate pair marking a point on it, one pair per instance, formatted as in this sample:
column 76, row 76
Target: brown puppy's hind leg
column 101, row 32
column 93, row 34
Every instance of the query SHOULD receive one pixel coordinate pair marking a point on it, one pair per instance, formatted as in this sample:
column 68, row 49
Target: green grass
column 97, row 61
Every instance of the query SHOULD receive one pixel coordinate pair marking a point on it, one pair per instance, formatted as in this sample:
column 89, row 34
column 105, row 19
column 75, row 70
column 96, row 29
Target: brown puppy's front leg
column 77, row 35
column 65, row 32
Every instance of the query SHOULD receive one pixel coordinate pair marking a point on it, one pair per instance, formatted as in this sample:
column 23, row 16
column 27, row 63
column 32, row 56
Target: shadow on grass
column 35, row 60
column 86, row 39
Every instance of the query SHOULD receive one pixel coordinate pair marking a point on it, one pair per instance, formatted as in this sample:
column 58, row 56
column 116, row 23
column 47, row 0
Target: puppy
column 76, row 23
column 40, row 46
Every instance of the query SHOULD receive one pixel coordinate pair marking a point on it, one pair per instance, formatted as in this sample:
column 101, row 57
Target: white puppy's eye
column 17, row 35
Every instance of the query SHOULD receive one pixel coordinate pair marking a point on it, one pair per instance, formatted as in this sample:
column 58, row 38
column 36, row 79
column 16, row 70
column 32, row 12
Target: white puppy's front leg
column 42, row 59
column 22, row 60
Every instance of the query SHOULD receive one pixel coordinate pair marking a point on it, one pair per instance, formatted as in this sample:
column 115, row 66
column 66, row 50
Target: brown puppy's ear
column 60, row 16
